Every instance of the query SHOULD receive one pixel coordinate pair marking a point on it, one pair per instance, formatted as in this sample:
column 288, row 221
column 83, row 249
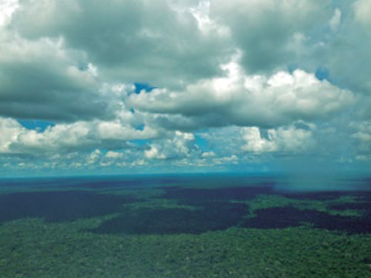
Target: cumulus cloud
column 335, row 20
column 66, row 138
column 245, row 100
column 263, row 29
column 157, row 42
column 43, row 80
column 343, row 49
column 362, row 9
column 114, row 155
column 9, row 132
column 284, row 139
column 6, row 10
column 362, row 135
column 180, row 145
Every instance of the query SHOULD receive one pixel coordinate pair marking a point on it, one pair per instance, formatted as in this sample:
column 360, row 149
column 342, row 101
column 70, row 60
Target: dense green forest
column 182, row 229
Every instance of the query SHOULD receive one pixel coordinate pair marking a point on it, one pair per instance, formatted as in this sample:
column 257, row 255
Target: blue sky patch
column 36, row 124
column 202, row 143
column 141, row 142
column 322, row 73
column 143, row 86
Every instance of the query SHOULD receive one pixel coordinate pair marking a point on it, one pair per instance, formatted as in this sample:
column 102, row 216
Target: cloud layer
column 137, row 85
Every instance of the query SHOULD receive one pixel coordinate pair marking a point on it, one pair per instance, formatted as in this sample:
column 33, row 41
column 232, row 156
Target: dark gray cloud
column 266, row 30
column 156, row 42
column 42, row 80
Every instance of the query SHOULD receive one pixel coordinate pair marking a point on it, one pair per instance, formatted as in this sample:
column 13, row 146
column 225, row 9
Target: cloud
column 43, row 80
column 335, row 20
column 6, row 10
column 362, row 135
column 9, row 132
column 255, row 80
column 362, row 10
column 263, row 29
column 67, row 138
column 246, row 100
column 284, row 139
column 180, row 145
column 341, row 47
column 114, row 155
column 155, row 42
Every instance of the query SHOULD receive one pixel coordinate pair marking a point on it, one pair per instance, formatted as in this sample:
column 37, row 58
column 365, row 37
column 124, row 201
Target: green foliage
column 33, row 247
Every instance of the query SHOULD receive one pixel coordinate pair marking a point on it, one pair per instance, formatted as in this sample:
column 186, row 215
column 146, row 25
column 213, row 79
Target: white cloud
column 7, row 8
column 244, row 100
column 180, row 145
column 9, row 131
column 283, row 139
column 233, row 159
column 362, row 10
column 94, row 156
column 362, row 135
column 67, row 138
column 335, row 20
column 208, row 154
column 255, row 143
column 114, row 155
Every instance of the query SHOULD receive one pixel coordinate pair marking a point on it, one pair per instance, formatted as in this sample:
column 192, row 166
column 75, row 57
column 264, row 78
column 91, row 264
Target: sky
column 173, row 86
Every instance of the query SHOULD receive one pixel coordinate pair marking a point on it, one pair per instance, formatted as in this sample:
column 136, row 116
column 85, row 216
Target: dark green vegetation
column 206, row 226
column 214, row 216
column 59, row 206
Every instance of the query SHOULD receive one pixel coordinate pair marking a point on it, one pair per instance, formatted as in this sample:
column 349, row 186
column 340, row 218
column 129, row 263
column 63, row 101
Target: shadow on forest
column 213, row 209
column 192, row 196
column 59, row 206
column 214, row 216
column 209, row 217
column 284, row 217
